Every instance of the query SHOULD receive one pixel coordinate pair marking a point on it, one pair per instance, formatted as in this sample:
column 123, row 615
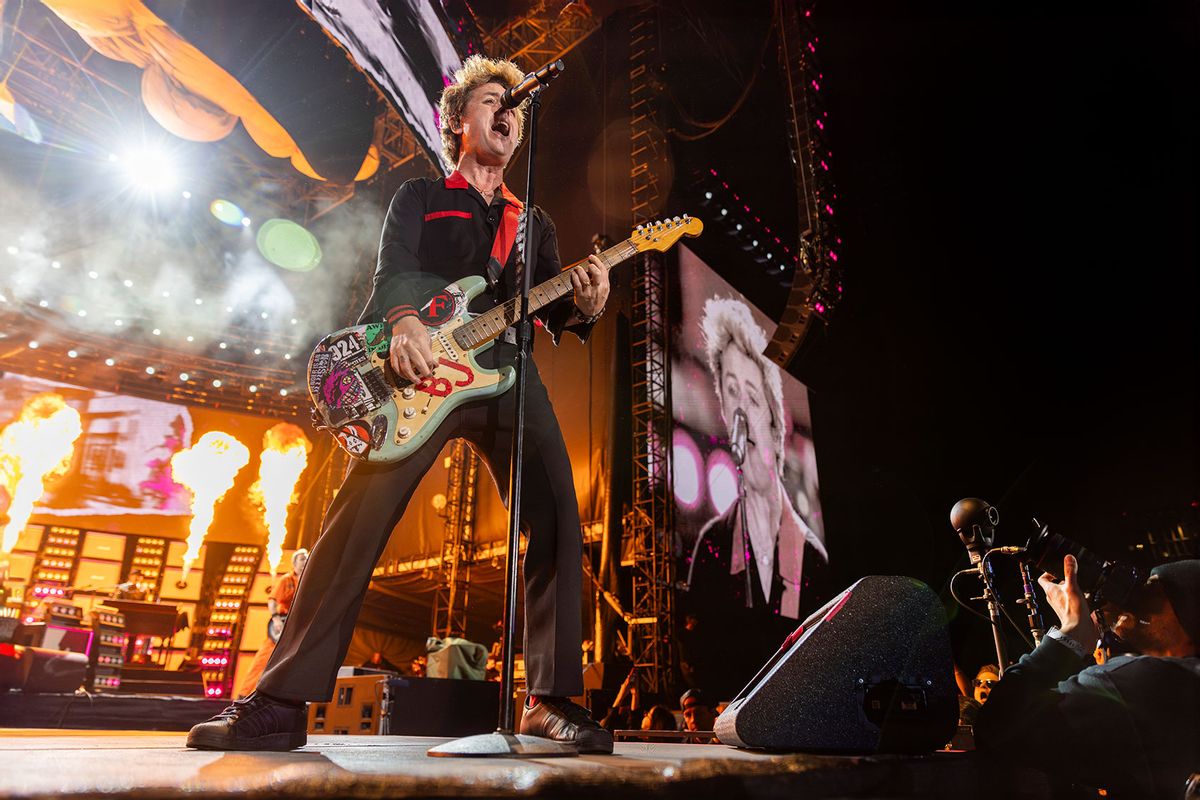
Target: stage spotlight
column 252, row 388
column 118, row 322
column 149, row 370
column 44, row 303
column 183, row 376
column 287, row 356
column 263, row 315
column 245, row 222
column 722, row 481
column 216, row 384
column 156, row 332
column 33, row 345
column 11, row 250
column 56, row 265
column 199, row 301
column 223, row 346
column 108, row 362
column 93, row 274
column 708, row 195
column 151, row 169
column 283, row 392
column 686, row 470
column 128, row 283
column 258, row 351
column 72, row 354
column 191, row 338
column 294, row 320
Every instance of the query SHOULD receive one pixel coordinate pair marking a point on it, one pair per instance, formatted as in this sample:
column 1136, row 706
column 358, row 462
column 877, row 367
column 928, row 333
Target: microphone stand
column 504, row 742
column 993, row 604
column 1036, row 626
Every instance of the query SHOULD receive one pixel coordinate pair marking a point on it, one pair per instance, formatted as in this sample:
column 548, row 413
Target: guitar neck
column 490, row 324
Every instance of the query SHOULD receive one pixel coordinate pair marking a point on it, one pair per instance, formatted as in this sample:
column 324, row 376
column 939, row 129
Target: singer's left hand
column 590, row 281
column 1068, row 602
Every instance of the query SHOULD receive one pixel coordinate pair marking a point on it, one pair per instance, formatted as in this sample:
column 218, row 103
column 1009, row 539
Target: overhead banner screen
column 405, row 48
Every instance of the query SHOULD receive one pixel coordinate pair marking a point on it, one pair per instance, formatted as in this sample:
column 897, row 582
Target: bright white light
column 83, row 312
column 708, row 195
column 150, row 169
column 166, row 293
column 33, row 345
column 287, row 356
column 228, row 309
column 223, row 345
column 11, row 250
column 283, row 392
column 93, row 274
column 754, row 243
column 258, row 351
column 769, row 256
column 199, row 301
column 687, row 470
column 109, row 362
column 252, row 388
column 44, row 303
column 245, row 222
column 156, row 332
column 263, row 315
column 183, row 376
column 187, row 195
column 191, row 338
column 3, row 299
column 56, row 264
column 294, row 320
column 149, row 370
column 72, row 354
column 118, row 322
column 216, row 383
column 724, row 212
column 722, row 481
column 128, row 283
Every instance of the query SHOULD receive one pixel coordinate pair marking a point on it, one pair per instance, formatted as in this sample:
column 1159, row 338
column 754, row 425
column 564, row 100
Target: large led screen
column 748, row 510
column 120, row 463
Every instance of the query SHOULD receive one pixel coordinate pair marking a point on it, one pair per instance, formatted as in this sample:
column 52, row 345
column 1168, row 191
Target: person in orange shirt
column 279, row 603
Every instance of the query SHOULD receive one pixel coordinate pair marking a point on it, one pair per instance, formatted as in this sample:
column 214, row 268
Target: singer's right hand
column 1068, row 602
column 411, row 352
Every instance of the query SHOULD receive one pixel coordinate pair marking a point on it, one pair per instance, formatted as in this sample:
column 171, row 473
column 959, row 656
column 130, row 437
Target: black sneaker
column 255, row 723
column 559, row 719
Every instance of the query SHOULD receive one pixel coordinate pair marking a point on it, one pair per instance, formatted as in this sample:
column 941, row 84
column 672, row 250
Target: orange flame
column 35, row 447
column 207, row 468
column 284, row 457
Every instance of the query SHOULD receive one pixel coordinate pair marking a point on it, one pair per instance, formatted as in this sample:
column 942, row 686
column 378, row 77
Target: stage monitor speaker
column 870, row 672
column 442, row 706
column 37, row 670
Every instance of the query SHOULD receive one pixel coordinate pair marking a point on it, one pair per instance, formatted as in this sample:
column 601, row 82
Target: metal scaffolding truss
column 648, row 525
column 546, row 33
column 458, row 545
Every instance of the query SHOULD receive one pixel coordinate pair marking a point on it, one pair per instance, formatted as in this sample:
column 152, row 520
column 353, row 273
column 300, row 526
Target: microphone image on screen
column 737, row 439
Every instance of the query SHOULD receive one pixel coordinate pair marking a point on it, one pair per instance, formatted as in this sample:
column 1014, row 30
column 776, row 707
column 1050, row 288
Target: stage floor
column 129, row 765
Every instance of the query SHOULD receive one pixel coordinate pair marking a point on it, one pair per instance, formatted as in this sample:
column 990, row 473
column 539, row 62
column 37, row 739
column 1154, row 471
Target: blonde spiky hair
column 726, row 321
column 476, row 71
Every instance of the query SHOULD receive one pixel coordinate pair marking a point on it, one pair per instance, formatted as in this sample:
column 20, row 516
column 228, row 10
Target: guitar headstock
column 662, row 234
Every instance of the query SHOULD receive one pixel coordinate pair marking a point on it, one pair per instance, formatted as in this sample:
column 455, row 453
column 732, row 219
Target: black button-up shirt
column 439, row 231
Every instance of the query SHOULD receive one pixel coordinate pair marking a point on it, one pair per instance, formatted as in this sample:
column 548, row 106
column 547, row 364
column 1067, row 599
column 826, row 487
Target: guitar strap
column 506, row 237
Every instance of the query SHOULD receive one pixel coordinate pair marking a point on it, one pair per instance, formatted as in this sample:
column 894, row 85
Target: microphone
column 737, row 439
column 975, row 522
column 530, row 83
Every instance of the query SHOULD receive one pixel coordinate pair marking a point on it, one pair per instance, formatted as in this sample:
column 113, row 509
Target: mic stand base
column 502, row 745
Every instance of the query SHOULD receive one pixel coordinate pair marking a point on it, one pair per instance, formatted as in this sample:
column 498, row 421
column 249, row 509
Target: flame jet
column 34, row 448
column 284, row 457
column 208, row 469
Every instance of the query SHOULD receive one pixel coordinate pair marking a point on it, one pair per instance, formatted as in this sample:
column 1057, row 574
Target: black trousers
column 370, row 504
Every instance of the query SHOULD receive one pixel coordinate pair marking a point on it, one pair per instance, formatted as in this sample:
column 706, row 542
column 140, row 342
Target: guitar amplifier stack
column 108, row 648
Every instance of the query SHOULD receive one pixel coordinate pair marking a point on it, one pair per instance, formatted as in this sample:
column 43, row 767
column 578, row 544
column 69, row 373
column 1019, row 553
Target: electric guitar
column 381, row 417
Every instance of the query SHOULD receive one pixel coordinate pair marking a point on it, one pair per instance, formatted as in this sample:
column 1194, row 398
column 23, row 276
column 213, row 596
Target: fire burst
column 35, row 447
column 284, row 457
column 207, row 468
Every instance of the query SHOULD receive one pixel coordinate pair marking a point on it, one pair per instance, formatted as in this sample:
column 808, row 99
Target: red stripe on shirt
column 441, row 214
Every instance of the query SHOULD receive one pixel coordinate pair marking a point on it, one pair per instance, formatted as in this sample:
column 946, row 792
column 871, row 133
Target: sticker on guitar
column 442, row 387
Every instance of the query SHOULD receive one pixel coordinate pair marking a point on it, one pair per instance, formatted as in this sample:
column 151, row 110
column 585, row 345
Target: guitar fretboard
column 492, row 323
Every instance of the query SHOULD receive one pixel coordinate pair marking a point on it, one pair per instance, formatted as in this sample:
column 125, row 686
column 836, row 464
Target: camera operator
column 1130, row 726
